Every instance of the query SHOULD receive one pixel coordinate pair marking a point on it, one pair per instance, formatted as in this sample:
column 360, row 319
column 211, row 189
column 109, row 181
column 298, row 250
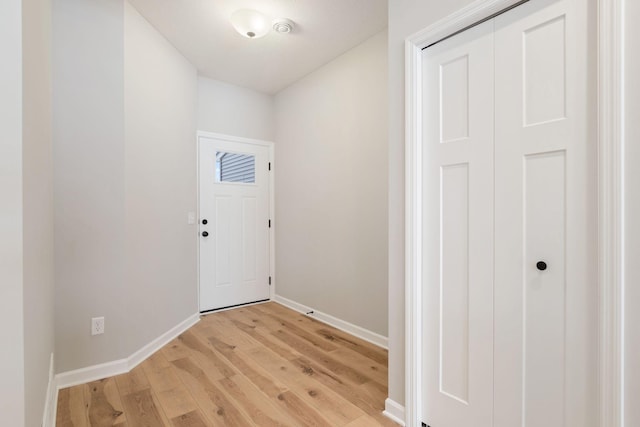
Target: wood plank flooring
column 261, row 365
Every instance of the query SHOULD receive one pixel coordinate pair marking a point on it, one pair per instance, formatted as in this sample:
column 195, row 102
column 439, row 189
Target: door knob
column 541, row 265
column 205, row 233
column 204, row 221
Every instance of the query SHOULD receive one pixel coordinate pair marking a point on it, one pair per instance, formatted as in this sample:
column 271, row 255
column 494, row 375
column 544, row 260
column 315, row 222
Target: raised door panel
column 544, row 319
column 250, row 227
column 222, row 220
column 544, row 314
column 458, row 227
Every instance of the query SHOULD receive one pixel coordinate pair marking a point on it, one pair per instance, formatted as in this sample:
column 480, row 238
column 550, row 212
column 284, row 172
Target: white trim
column 413, row 229
column 611, row 211
column 610, row 199
column 357, row 331
column 231, row 138
column 139, row 356
column 394, row 411
column 50, row 407
column 197, row 232
column 272, row 207
column 463, row 18
column 91, row 373
column 272, row 215
column 122, row 366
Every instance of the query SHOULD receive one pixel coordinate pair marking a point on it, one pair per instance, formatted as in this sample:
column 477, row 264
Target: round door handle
column 541, row 265
column 205, row 233
column 204, row 221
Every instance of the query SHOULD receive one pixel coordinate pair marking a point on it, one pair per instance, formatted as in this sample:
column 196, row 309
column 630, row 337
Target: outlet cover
column 97, row 325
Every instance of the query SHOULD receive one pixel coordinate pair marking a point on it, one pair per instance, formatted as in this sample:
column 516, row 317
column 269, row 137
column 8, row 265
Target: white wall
column 12, row 405
column 160, row 93
column 331, row 188
column 233, row 110
column 124, row 152
column 632, row 194
column 38, row 206
column 405, row 18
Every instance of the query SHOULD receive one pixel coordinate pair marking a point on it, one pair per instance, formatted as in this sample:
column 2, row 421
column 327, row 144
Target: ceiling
column 201, row 30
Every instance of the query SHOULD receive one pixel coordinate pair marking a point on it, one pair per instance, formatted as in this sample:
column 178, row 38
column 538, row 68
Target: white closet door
column 545, row 320
column 458, row 230
column 509, row 219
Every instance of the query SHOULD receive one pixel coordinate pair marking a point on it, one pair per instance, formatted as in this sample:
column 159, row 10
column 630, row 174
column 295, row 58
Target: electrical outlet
column 97, row 326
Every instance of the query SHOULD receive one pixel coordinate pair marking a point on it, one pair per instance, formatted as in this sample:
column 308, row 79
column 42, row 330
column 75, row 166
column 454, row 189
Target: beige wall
column 234, row 110
column 160, row 93
column 38, row 206
column 89, row 186
column 124, row 133
column 405, row 18
column 12, row 405
column 331, row 188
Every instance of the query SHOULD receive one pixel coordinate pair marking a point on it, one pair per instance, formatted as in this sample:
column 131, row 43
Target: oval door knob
column 541, row 265
column 205, row 233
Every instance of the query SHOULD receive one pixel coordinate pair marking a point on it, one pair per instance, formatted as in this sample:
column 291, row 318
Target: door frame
column 610, row 116
column 272, row 239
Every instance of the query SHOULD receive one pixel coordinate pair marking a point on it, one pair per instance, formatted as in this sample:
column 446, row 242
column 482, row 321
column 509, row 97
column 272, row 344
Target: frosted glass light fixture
column 250, row 23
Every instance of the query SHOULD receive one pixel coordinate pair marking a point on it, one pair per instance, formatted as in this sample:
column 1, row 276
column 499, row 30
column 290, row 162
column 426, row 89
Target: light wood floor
column 263, row 365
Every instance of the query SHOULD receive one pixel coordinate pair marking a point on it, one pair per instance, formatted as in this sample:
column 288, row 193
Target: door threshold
column 229, row 307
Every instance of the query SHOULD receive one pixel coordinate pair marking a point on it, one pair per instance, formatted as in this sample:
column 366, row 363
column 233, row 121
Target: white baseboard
column 122, row 366
column 91, row 373
column 139, row 356
column 51, row 399
column 365, row 334
column 394, row 411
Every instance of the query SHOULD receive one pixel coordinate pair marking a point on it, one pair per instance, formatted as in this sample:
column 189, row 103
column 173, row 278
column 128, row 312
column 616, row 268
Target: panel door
column 458, row 230
column 234, row 223
column 545, row 337
column 509, row 277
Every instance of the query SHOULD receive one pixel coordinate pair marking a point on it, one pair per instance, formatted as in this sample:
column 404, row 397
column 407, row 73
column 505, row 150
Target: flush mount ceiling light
column 250, row 23
column 253, row 24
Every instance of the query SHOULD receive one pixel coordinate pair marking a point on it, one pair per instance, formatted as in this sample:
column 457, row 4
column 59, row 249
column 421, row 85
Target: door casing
column 272, row 243
column 610, row 90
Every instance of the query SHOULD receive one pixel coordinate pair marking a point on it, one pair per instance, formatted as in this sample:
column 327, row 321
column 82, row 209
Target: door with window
column 234, row 223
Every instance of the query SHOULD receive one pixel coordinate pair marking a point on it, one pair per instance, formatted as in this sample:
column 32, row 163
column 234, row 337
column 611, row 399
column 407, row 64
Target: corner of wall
column 122, row 366
column 355, row 330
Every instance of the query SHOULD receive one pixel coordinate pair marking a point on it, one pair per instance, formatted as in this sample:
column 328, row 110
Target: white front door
column 234, row 223
column 509, row 280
